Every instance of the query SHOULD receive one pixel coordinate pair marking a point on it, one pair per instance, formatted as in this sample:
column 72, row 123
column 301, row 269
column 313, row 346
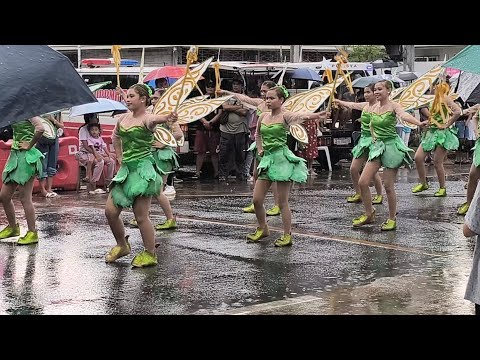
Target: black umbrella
column 474, row 97
column 407, row 75
column 36, row 80
column 384, row 65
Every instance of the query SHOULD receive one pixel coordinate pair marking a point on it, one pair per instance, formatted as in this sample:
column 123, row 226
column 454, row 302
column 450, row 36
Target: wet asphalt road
column 206, row 266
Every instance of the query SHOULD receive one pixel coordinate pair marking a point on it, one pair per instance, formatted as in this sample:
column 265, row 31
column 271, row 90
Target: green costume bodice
column 136, row 143
column 384, row 125
column 274, row 136
column 365, row 121
column 22, row 131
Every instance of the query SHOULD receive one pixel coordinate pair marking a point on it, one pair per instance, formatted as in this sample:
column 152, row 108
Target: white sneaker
column 100, row 191
column 169, row 190
column 177, row 180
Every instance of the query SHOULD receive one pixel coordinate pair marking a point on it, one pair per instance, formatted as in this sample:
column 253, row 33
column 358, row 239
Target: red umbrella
column 96, row 62
column 165, row 72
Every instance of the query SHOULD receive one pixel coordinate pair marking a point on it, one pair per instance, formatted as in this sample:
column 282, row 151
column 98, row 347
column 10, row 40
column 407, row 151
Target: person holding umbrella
column 24, row 162
column 439, row 138
column 138, row 178
column 361, row 151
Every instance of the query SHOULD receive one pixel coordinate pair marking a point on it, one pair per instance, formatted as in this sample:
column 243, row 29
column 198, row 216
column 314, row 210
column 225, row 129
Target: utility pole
column 295, row 53
column 175, row 56
column 409, row 57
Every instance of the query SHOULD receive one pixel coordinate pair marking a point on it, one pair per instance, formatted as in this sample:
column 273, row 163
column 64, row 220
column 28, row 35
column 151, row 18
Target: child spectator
column 102, row 158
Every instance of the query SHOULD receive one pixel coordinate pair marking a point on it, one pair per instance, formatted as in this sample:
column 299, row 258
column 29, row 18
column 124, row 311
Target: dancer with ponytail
column 387, row 150
column 138, row 179
column 24, row 162
column 261, row 108
column 278, row 164
column 361, row 150
column 439, row 137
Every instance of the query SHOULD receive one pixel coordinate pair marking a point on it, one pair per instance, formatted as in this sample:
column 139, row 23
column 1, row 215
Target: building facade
column 426, row 56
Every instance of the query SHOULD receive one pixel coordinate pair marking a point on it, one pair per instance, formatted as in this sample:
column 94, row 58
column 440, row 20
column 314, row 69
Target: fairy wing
column 414, row 95
column 292, row 100
column 164, row 136
column 178, row 92
column 194, row 110
column 311, row 100
column 299, row 133
column 397, row 92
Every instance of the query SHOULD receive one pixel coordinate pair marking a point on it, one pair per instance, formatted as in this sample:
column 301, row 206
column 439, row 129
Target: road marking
column 272, row 305
column 320, row 236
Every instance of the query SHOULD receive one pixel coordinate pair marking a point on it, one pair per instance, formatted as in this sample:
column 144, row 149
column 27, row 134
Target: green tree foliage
column 366, row 53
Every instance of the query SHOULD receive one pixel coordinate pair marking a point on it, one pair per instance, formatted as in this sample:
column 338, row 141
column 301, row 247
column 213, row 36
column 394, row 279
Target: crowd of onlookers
column 222, row 137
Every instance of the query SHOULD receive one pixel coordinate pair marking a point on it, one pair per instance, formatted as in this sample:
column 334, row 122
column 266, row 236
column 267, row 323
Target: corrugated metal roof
column 240, row 47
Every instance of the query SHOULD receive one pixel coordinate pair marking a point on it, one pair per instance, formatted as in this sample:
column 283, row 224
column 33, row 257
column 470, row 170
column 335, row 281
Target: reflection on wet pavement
column 206, row 266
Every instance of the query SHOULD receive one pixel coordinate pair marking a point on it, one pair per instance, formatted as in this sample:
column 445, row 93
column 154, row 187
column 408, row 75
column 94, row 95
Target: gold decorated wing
column 396, row 92
column 422, row 101
column 181, row 141
column 167, row 103
column 164, row 136
column 311, row 100
column 195, row 100
column 413, row 95
column 191, row 111
column 287, row 105
column 49, row 132
column 299, row 133
column 426, row 100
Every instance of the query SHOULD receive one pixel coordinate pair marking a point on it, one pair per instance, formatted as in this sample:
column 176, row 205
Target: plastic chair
column 327, row 154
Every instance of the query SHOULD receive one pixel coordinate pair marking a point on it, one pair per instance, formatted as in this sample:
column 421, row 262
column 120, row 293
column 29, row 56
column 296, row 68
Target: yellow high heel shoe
column 118, row 251
column 364, row 219
column 257, row 235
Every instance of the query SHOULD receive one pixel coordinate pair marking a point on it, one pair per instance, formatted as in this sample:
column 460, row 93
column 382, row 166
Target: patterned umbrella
column 98, row 86
column 467, row 60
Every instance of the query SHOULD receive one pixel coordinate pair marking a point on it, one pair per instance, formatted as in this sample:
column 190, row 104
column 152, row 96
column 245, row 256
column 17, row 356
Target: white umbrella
column 101, row 106
column 467, row 84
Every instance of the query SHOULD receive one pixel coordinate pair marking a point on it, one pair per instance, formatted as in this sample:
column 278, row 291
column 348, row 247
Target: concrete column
column 409, row 57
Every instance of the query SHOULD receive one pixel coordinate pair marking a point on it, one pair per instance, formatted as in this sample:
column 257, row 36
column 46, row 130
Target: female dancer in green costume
column 278, row 164
column 166, row 158
column 138, row 178
column 261, row 107
column 387, row 150
column 474, row 174
column 361, row 150
column 439, row 138
column 24, row 162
